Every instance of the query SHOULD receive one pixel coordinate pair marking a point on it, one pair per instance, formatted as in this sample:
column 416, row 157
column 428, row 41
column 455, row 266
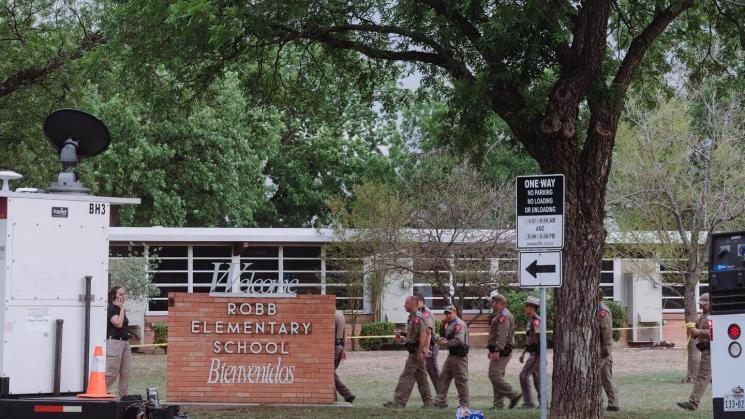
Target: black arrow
column 534, row 268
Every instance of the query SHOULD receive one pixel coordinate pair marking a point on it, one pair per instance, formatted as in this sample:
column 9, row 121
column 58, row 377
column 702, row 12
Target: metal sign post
column 544, row 386
column 539, row 204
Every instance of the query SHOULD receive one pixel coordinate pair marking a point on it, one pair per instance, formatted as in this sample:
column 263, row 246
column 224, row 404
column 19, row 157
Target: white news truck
column 727, row 322
column 54, row 250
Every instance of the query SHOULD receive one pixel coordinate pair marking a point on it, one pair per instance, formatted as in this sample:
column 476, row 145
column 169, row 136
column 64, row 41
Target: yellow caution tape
column 148, row 345
column 688, row 326
column 487, row 333
column 393, row 336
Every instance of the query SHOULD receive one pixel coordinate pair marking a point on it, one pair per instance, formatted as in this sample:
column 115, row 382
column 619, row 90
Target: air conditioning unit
column 643, row 295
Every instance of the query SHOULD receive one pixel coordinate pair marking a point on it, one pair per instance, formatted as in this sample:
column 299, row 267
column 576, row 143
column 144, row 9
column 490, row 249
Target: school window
column 607, row 278
column 191, row 268
column 673, row 290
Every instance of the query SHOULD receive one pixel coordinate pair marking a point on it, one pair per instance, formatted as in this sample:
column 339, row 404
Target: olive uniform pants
column 432, row 369
column 340, row 387
column 703, row 378
column 455, row 368
column 606, row 377
column 118, row 362
column 532, row 369
column 499, row 385
column 413, row 373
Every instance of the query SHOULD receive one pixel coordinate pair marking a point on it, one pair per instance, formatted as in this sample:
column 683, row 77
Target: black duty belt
column 117, row 338
column 461, row 351
column 703, row 346
column 506, row 351
column 339, row 341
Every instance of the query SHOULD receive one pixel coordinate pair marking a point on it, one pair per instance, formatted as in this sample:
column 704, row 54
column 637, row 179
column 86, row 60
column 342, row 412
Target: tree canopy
column 304, row 92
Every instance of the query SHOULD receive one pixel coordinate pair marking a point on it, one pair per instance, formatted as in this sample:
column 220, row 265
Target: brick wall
column 674, row 329
column 305, row 374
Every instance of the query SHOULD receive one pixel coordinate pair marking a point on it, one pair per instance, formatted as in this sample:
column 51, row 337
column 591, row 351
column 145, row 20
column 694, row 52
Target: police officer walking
column 339, row 355
column 501, row 338
column 431, row 357
column 606, row 356
column 703, row 375
column 532, row 348
column 456, row 364
column 416, row 343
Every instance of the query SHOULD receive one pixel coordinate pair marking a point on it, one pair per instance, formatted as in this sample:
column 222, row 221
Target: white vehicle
column 727, row 323
column 53, row 285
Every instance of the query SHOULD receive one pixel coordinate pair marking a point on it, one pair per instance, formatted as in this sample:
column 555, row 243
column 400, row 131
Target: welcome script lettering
column 254, row 342
column 238, row 279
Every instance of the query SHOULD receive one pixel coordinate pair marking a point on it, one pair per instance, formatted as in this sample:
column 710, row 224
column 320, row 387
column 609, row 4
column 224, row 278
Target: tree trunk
column 576, row 387
column 689, row 303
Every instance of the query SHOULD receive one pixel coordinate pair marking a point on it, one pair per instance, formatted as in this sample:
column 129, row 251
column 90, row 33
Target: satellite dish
column 90, row 134
column 6, row 176
column 75, row 135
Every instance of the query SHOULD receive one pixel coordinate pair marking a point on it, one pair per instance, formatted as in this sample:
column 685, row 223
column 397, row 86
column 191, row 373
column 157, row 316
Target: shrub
column 516, row 300
column 619, row 317
column 132, row 274
column 438, row 327
column 161, row 335
column 376, row 329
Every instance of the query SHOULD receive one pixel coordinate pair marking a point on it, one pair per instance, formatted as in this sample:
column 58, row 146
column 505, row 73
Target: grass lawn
column 649, row 382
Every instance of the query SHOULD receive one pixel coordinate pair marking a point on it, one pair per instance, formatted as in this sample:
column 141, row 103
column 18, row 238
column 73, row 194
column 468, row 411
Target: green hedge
column 438, row 326
column 161, row 334
column 619, row 317
column 376, row 329
column 516, row 301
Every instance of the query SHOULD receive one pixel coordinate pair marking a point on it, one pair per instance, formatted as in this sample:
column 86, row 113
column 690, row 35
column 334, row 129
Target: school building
column 187, row 260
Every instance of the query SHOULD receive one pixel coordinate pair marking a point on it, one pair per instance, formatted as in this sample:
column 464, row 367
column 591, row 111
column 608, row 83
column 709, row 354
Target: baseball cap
column 450, row 309
column 704, row 298
column 534, row 301
column 498, row 298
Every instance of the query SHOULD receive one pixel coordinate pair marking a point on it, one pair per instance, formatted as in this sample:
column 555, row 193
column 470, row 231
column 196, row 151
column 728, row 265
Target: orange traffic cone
column 97, row 379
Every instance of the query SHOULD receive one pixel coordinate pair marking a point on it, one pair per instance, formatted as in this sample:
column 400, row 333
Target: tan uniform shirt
column 533, row 332
column 340, row 325
column 429, row 320
column 703, row 325
column 456, row 333
column 606, row 327
column 501, row 330
column 415, row 326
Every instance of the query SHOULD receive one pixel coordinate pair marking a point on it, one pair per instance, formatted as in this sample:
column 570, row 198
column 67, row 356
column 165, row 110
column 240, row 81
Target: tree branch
column 588, row 49
column 460, row 22
column 31, row 76
column 644, row 40
column 392, row 29
column 457, row 70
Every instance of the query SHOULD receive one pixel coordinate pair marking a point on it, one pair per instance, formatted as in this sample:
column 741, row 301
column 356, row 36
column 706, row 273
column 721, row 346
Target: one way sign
column 540, row 269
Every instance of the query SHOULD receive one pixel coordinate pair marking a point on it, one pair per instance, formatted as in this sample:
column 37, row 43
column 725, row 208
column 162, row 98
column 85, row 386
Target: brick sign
column 251, row 350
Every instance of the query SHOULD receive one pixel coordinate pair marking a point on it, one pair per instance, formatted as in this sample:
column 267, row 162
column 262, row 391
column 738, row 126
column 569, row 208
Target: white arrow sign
column 540, row 269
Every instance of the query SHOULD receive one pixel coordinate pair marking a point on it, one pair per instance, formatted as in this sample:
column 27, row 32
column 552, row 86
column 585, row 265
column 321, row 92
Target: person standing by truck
column 118, row 352
column 703, row 375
